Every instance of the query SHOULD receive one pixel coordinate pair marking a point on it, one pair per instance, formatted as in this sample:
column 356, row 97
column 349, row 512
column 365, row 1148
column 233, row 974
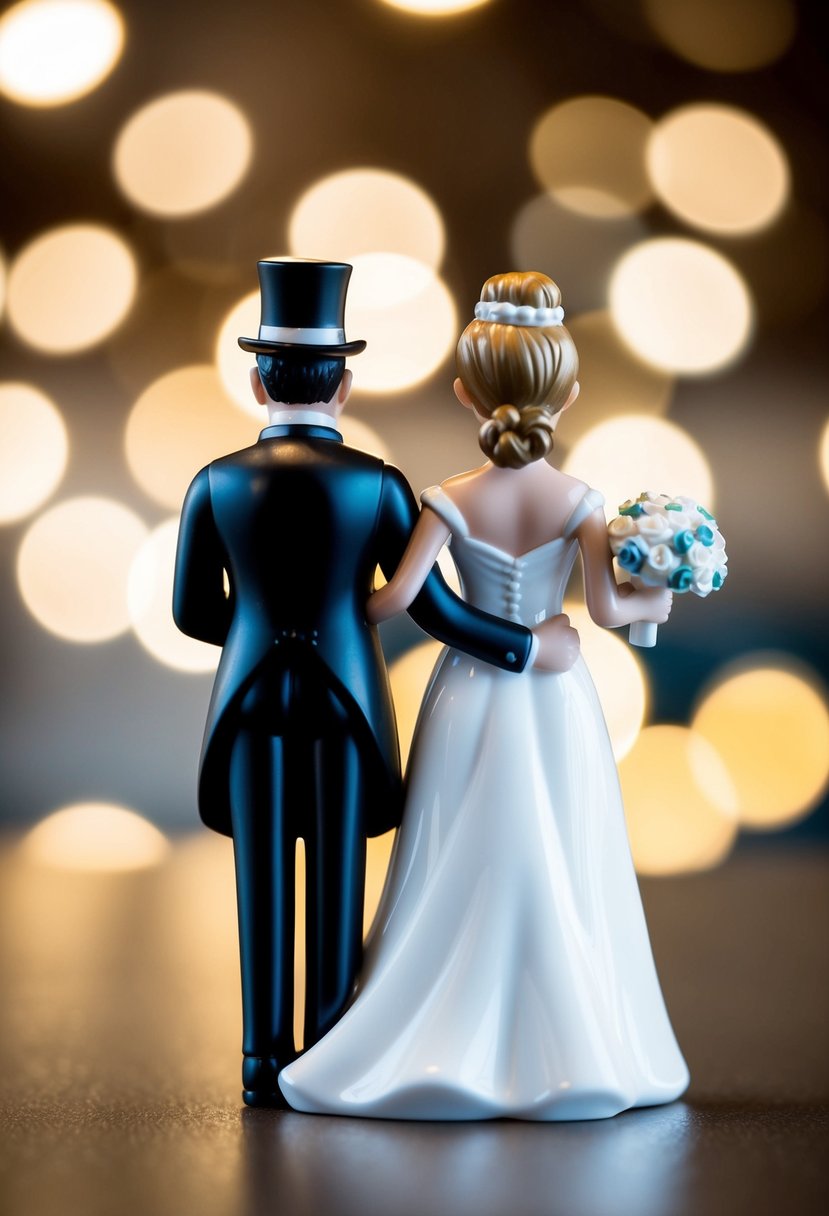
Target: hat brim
column 259, row 346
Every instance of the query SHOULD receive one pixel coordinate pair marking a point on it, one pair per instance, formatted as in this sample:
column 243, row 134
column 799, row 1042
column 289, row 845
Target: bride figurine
column 509, row 972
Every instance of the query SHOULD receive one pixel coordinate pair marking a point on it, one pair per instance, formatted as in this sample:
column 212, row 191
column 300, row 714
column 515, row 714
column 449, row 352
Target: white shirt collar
column 302, row 418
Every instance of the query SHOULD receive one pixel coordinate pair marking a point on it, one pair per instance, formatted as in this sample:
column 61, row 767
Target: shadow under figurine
column 300, row 739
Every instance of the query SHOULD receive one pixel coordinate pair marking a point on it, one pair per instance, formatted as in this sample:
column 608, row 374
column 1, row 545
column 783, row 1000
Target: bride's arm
column 427, row 540
column 609, row 603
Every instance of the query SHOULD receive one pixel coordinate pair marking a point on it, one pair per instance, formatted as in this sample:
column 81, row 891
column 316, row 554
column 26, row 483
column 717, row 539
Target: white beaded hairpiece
column 505, row 313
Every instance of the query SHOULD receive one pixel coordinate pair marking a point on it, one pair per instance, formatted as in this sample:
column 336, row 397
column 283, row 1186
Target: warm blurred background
column 664, row 161
column 660, row 159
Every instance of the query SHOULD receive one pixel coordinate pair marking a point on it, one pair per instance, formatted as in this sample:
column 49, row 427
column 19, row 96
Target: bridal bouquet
column 667, row 542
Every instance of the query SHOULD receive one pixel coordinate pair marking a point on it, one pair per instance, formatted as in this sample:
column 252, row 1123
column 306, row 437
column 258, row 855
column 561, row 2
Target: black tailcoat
column 300, row 522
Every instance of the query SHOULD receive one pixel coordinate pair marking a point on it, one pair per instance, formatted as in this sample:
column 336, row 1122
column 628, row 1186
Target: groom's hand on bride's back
column 558, row 644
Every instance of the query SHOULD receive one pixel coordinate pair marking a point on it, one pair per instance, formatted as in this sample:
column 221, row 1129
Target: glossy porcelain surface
column 509, row 972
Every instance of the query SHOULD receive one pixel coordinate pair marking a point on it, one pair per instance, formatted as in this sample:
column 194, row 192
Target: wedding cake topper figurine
column 509, row 971
column 300, row 739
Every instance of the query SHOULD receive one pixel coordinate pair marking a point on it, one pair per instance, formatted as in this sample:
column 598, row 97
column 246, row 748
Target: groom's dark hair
column 297, row 379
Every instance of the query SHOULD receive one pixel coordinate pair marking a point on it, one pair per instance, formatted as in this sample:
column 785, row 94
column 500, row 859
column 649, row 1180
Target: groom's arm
column 436, row 608
column 200, row 607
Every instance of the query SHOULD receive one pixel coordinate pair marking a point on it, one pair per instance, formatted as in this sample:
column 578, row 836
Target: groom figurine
column 300, row 739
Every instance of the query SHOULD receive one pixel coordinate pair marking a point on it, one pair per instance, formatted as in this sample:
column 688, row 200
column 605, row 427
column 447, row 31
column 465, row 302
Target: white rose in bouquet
column 667, row 542
column 653, row 527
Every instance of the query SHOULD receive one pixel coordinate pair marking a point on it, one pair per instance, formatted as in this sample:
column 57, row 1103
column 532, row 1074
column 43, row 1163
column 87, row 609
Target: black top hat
column 303, row 309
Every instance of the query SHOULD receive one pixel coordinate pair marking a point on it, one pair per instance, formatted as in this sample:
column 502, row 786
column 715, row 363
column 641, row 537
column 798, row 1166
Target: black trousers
column 295, row 772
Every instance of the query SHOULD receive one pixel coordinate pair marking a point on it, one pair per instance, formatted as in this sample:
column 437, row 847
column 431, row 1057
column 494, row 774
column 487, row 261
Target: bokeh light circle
column 409, row 676
column 408, row 318
column 737, row 36
column 612, row 379
column 823, row 454
column 680, row 803
column 95, row 836
column 577, row 251
column 232, row 362
column 625, row 456
column 33, row 450
column 718, row 168
column 70, row 287
column 180, row 423
column 53, row 51
column 680, row 306
column 435, row 8
column 366, row 211
column 358, row 434
column 73, row 565
column 449, row 570
column 618, row 675
column 149, row 599
column 589, row 153
column 769, row 721
column 182, row 153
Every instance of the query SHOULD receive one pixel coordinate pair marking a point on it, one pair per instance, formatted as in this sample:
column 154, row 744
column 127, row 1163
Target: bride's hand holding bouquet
column 666, row 544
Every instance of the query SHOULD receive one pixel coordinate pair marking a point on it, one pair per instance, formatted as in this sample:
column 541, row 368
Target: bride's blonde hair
column 518, row 376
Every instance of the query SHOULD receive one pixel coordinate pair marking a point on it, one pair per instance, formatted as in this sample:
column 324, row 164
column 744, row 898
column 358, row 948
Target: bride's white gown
column 509, row 972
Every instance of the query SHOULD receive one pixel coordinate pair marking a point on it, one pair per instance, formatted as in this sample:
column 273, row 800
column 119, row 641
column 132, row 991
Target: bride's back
column 521, row 577
column 515, row 510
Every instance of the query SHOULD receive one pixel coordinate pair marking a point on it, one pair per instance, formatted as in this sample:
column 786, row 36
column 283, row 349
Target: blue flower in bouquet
column 631, row 556
column 681, row 578
column 667, row 542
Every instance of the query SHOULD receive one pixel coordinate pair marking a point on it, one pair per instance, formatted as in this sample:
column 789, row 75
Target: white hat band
column 302, row 335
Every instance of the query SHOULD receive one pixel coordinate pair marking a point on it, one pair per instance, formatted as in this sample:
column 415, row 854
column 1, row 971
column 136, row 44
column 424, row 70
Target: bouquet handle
column 643, row 633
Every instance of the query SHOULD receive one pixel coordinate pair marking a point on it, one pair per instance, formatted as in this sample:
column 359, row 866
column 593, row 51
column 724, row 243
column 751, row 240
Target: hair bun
column 505, row 418
column 516, row 437
column 522, row 289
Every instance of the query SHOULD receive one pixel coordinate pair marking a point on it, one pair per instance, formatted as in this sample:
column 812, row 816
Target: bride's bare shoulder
column 475, row 484
column 571, row 487
column 462, row 484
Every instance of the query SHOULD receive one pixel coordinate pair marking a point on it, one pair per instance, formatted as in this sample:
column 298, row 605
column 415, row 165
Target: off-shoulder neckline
column 455, row 514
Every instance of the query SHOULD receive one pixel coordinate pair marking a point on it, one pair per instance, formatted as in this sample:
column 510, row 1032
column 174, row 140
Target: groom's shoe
column 259, row 1077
